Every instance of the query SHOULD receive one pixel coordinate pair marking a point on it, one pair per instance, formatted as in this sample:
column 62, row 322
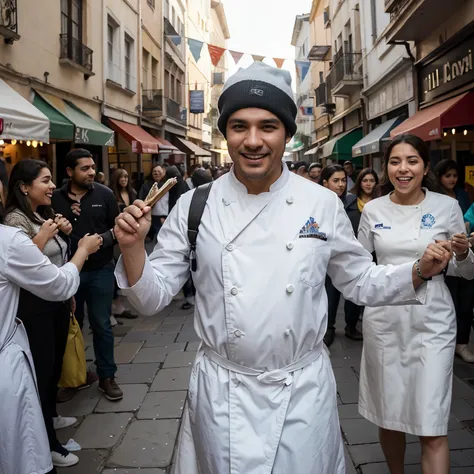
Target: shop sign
column 449, row 71
column 196, row 102
column 81, row 135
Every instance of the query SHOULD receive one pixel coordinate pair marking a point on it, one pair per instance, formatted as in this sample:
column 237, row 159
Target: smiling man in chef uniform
column 262, row 395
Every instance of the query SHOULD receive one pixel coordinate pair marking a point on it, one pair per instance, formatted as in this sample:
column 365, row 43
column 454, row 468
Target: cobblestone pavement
column 154, row 356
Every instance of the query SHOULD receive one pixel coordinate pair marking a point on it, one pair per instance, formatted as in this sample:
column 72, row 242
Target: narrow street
column 138, row 435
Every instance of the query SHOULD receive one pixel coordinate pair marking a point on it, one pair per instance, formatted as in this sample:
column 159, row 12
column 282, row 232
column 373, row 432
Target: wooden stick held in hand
column 156, row 193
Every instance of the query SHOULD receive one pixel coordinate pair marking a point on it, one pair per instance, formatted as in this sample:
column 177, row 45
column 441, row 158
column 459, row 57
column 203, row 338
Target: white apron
column 262, row 395
column 407, row 360
column 24, row 446
column 21, row 415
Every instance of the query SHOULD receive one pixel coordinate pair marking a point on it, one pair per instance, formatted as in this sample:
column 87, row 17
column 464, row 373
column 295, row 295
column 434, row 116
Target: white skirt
column 407, row 364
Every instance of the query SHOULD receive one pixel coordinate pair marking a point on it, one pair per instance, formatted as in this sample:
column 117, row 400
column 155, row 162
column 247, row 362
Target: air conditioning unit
column 329, row 109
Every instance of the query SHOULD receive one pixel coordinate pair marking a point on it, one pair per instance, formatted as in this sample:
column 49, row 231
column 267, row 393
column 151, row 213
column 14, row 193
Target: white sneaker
column 465, row 353
column 64, row 461
column 113, row 321
column 61, row 422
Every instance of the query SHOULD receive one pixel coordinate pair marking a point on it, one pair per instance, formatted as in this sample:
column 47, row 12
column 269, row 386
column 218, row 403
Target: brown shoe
column 111, row 389
column 65, row 394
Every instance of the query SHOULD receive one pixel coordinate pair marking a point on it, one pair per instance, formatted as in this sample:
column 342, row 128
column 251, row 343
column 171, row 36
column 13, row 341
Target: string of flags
column 216, row 53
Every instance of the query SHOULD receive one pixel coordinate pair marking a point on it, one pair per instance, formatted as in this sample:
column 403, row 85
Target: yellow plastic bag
column 74, row 370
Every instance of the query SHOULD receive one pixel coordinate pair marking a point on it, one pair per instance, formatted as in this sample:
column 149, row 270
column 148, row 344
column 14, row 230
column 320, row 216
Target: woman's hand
column 48, row 230
column 63, row 224
column 90, row 243
column 460, row 245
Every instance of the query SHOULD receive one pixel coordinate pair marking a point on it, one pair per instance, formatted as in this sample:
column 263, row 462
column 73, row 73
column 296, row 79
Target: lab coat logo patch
column 311, row 231
column 427, row 221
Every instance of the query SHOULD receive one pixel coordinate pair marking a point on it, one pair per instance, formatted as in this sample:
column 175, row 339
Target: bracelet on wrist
column 418, row 272
column 464, row 254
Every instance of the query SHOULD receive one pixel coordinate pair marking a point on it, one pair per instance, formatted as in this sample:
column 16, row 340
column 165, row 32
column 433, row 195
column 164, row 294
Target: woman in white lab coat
column 407, row 361
column 24, row 446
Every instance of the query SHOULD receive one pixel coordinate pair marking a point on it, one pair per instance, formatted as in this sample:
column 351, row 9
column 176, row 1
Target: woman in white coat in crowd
column 262, row 395
column 407, row 361
column 24, row 446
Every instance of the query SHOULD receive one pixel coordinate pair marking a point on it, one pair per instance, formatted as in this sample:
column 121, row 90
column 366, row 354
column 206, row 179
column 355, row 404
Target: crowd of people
column 284, row 243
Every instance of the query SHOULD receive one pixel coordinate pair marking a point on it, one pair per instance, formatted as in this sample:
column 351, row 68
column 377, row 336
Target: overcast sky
column 263, row 27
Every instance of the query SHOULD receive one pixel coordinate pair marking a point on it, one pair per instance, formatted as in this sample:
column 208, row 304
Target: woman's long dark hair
column 442, row 168
column 25, row 172
column 429, row 181
column 357, row 189
column 328, row 171
column 115, row 186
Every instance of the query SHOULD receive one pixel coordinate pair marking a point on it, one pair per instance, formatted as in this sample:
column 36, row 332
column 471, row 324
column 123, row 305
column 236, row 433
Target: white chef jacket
column 24, row 446
column 261, row 306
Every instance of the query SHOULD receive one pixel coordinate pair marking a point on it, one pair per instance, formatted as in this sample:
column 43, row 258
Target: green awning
column 87, row 131
column 340, row 147
column 60, row 127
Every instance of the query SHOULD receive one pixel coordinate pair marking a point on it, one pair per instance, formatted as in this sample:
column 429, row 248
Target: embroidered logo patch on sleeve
column 311, row 231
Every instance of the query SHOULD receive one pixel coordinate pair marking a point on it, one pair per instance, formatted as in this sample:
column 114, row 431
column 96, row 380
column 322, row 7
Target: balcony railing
column 346, row 68
column 73, row 50
column 152, row 103
column 9, row 21
column 175, row 111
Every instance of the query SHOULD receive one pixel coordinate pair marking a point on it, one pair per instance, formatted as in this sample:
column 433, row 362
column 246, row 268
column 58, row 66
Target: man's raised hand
column 132, row 225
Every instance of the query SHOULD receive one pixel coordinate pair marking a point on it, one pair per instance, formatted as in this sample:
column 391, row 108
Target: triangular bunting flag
column 258, row 58
column 236, row 55
column 279, row 62
column 176, row 39
column 302, row 68
column 216, row 53
column 195, row 47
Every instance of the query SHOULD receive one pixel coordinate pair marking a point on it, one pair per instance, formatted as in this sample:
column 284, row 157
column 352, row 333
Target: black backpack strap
column 196, row 209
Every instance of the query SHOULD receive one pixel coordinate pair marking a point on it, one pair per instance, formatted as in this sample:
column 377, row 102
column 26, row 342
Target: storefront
column 24, row 130
column 71, row 128
column 134, row 150
column 339, row 148
column 446, row 101
column 194, row 153
column 373, row 144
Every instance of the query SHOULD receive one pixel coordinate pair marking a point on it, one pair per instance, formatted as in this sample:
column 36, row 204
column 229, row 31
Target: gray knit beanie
column 260, row 86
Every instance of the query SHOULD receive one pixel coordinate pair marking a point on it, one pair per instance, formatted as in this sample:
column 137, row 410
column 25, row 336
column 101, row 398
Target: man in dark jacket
column 92, row 208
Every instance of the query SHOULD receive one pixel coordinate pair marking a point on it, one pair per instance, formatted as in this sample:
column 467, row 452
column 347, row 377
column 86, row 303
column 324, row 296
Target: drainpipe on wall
column 105, row 153
column 140, row 179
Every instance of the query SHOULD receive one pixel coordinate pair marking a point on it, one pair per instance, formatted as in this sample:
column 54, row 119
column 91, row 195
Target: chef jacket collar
column 276, row 186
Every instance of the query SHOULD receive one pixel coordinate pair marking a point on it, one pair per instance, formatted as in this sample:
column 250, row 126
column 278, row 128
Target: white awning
column 193, row 149
column 311, row 151
column 21, row 119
